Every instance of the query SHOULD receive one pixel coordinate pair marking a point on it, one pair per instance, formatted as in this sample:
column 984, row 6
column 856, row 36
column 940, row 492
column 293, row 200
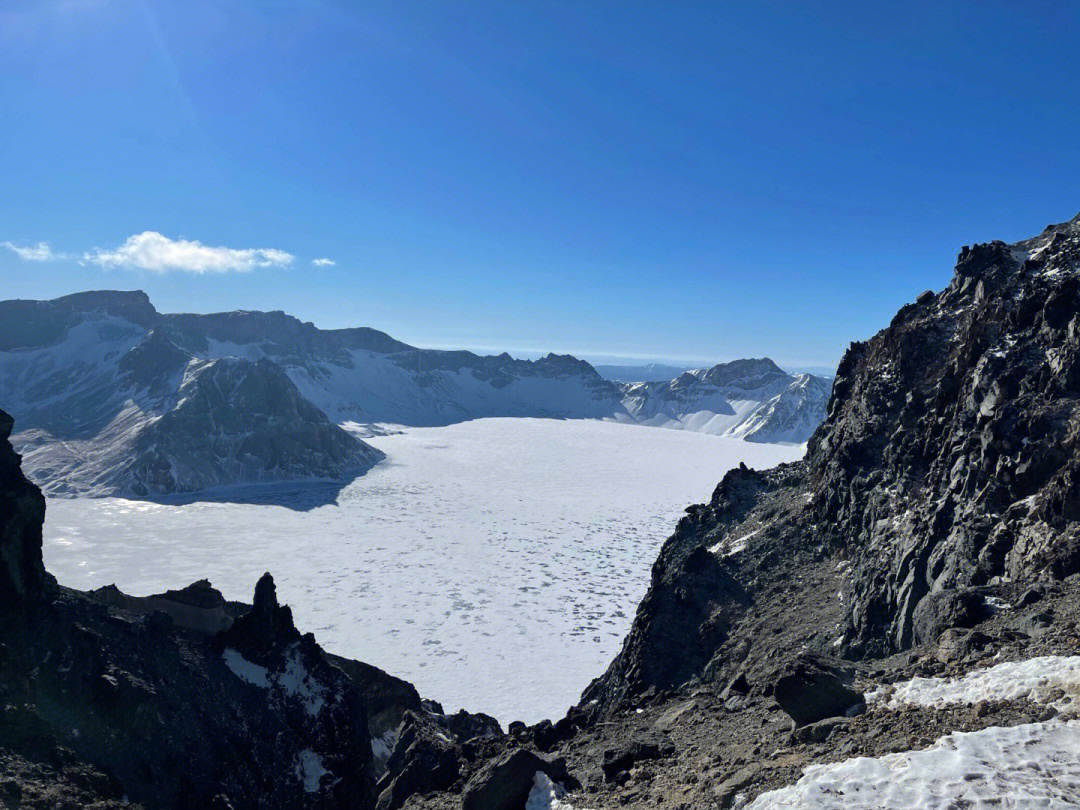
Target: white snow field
column 1029, row 766
column 496, row 563
column 1037, row 679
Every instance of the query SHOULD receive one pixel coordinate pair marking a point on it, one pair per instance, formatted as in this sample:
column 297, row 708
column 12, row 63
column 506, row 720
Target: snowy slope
column 749, row 399
column 1033, row 765
column 108, row 405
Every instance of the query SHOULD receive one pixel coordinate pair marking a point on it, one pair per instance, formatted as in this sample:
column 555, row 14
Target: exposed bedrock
column 948, row 466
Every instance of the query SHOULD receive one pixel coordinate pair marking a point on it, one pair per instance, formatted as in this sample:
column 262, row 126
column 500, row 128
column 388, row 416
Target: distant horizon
column 594, row 358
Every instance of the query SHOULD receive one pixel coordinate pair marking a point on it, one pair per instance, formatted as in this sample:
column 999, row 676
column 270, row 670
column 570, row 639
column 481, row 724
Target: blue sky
column 680, row 181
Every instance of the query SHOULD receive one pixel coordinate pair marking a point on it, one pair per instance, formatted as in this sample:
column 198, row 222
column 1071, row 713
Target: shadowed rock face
column 950, row 456
column 109, row 701
column 948, row 463
column 238, row 421
column 23, row 579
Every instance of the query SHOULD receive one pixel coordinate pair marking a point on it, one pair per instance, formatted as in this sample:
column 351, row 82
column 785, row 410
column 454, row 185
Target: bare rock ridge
column 948, row 467
column 112, row 397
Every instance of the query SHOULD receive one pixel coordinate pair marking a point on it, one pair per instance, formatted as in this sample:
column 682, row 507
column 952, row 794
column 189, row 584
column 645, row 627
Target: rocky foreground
column 892, row 622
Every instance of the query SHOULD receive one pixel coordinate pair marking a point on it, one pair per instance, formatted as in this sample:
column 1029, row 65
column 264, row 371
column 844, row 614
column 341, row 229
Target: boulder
column 813, row 688
column 818, row 732
column 505, row 783
column 628, row 753
column 956, row 644
column 939, row 611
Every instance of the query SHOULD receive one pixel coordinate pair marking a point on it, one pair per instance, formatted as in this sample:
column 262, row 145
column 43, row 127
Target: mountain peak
column 134, row 305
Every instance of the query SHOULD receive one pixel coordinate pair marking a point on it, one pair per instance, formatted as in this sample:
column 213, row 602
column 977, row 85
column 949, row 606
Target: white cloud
column 41, row 252
column 152, row 251
column 323, row 262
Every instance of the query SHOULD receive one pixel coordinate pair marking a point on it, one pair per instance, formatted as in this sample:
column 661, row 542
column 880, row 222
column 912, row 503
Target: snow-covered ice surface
column 496, row 563
column 1029, row 766
column 1036, row 679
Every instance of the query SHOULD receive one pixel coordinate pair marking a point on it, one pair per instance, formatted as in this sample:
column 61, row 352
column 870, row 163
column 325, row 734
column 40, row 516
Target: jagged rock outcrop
column 109, row 702
column 505, row 782
column 424, row 759
column 948, row 465
column 23, row 580
column 952, row 458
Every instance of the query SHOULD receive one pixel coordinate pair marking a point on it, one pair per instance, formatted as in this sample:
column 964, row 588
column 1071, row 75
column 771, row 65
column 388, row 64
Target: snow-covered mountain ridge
column 98, row 378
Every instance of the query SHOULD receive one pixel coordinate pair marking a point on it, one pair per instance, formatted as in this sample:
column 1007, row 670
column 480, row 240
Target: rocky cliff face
column 23, row 581
column 949, row 458
column 118, row 403
column 945, row 474
column 106, row 705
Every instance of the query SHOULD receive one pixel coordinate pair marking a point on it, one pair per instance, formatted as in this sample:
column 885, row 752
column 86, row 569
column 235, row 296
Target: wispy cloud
column 41, row 252
column 323, row 262
column 152, row 251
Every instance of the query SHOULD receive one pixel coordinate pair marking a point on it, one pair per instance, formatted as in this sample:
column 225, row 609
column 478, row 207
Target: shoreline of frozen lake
column 496, row 564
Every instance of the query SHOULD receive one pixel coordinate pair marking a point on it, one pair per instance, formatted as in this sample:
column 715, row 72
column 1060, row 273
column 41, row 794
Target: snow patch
column 729, row 549
column 294, row 680
column 1029, row 766
column 383, row 745
column 1035, row 679
column 547, row 795
column 297, row 682
column 309, row 770
column 245, row 670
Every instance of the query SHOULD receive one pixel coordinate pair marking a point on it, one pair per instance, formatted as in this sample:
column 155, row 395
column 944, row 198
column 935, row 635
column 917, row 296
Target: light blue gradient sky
column 679, row 181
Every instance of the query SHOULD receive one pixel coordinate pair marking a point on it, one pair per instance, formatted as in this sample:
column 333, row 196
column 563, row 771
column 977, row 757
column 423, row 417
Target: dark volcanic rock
column 23, row 579
column 424, row 760
column 948, row 465
column 938, row 611
column 685, row 614
column 630, row 752
column 505, row 783
column 811, row 688
column 101, row 705
column 950, row 453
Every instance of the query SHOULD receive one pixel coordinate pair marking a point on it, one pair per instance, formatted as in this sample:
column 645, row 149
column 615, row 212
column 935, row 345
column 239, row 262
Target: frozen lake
column 496, row 564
